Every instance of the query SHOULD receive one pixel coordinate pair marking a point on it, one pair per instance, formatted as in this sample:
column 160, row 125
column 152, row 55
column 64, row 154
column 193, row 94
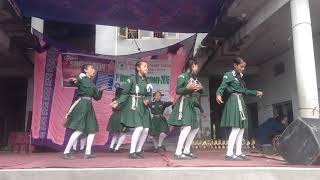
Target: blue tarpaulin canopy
column 155, row 15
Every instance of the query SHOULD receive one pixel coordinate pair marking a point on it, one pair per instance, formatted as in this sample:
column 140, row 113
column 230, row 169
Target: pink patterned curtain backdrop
column 50, row 130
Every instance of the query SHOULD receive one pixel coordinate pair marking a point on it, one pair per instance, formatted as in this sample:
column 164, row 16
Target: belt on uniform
column 158, row 115
column 86, row 98
column 135, row 98
column 181, row 105
column 236, row 94
column 240, row 107
column 75, row 103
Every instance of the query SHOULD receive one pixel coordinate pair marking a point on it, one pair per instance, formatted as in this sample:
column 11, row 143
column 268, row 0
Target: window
column 128, row 33
column 146, row 34
column 123, row 32
column 133, row 33
column 283, row 108
column 158, row 35
column 170, row 35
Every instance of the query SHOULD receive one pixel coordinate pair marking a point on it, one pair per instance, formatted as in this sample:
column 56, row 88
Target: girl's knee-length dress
column 81, row 116
column 184, row 113
column 134, row 113
column 235, row 110
column 159, row 123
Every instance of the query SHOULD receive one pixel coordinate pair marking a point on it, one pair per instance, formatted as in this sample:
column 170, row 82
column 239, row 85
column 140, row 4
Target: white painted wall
column 106, row 40
column 109, row 43
column 128, row 46
column 281, row 88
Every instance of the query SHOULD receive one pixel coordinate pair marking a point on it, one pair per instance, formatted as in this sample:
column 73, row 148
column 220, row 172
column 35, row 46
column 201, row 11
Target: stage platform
column 208, row 165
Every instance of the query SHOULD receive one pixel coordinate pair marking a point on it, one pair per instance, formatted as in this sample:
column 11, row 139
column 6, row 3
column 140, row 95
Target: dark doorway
column 216, row 110
column 253, row 121
column 12, row 106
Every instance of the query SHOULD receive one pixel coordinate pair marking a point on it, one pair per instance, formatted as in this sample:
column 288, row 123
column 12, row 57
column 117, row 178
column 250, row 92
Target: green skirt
column 231, row 115
column 159, row 125
column 114, row 124
column 189, row 114
column 83, row 118
column 140, row 117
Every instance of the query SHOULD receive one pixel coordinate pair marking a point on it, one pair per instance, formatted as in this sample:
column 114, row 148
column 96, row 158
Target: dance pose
column 184, row 113
column 134, row 101
column 159, row 125
column 81, row 116
column 235, row 111
column 115, row 127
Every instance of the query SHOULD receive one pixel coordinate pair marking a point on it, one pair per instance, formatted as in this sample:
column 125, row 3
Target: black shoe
column 89, row 156
column 156, row 150
column 72, row 151
column 243, row 157
column 232, row 158
column 140, row 154
column 163, row 148
column 191, row 155
column 133, row 156
column 182, row 157
column 82, row 150
column 116, row 151
column 110, row 150
column 68, row 156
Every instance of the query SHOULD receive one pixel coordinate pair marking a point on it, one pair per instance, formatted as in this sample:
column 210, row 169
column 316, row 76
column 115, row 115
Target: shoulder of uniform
column 82, row 75
column 183, row 75
column 227, row 75
column 131, row 79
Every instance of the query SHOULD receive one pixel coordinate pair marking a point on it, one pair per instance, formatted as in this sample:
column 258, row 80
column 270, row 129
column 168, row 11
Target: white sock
column 71, row 141
column 135, row 138
column 75, row 144
column 239, row 142
column 82, row 143
column 114, row 140
column 161, row 138
column 189, row 140
column 120, row 140
column 182, row 138
column 89, row 143
column 142, row 139
column 232, row 139
column 155, row 143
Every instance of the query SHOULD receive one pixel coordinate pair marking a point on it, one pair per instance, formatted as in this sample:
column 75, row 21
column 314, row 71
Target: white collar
column 82, row 75
column 234, row 74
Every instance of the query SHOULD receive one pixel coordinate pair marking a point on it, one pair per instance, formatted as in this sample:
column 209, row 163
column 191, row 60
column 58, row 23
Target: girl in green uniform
column 81, row 116
column 115, row 127
column 184, row 113
column 235, row 112
column 134, row 101
column 159, row 125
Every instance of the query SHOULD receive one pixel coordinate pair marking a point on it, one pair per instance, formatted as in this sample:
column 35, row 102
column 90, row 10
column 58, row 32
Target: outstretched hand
column 74, row 80
column 219, row 100
column 259, row 93
column 103, row 87
column 146, row 102
column 114, row 104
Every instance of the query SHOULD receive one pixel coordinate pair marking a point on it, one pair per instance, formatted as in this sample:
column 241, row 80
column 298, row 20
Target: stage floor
column 120, row 160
